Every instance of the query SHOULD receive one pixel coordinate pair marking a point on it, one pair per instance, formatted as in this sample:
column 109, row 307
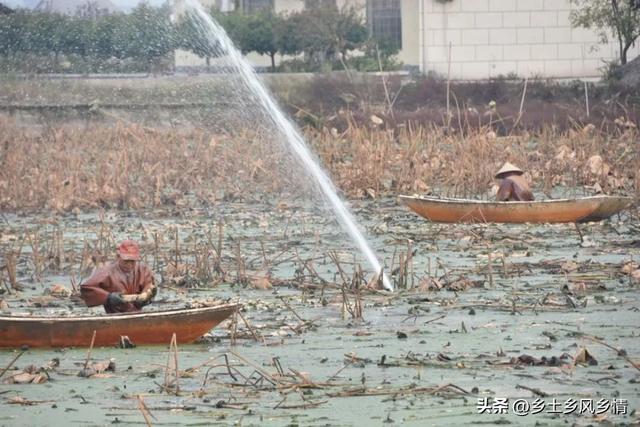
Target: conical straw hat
column 506, row 168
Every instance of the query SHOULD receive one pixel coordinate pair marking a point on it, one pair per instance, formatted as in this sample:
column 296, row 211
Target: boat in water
column 141, row 328
column 584, row 209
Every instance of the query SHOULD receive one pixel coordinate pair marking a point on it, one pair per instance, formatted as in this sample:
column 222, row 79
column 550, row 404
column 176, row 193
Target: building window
column 385, row 21
column 251, row 6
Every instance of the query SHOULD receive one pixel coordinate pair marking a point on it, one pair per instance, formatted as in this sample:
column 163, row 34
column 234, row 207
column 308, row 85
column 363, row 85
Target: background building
column 77, row 7
column 469, row 39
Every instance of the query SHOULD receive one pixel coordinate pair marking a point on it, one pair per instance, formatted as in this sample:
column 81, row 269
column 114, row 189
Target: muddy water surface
column 479, row 309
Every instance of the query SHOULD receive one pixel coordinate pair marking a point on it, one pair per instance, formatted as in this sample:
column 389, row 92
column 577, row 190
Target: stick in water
column 93, row 340
column 11, row 363
column 145, row 411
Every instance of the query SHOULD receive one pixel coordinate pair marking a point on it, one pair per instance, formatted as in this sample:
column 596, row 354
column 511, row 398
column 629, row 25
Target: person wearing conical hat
column 513, row 185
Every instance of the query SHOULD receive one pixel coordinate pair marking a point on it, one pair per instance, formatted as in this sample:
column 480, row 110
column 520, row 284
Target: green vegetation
column 44, row 42
column 317, row 38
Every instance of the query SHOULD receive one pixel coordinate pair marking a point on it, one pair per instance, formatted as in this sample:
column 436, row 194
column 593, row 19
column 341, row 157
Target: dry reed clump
column 130, row 166
column 369, row 161
column 124, row 166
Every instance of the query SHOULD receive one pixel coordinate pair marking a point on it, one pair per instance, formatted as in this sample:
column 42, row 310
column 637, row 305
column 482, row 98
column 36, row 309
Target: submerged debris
column 94, row 369
column 29, row 375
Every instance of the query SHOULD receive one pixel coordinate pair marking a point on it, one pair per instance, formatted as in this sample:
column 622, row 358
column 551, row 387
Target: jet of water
column 217, row 36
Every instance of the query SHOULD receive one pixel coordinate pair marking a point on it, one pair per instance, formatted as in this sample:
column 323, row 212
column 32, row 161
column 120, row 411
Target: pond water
column 546, row 294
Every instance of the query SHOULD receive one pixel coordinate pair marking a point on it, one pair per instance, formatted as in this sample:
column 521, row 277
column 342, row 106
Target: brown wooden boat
column 153, row 327
column 583, row 209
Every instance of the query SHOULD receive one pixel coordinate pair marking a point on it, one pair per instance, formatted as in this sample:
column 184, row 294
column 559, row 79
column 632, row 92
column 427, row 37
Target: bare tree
column 620, row 18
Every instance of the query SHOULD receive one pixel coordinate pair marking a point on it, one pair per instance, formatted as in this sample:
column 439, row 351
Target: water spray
column 292, row 139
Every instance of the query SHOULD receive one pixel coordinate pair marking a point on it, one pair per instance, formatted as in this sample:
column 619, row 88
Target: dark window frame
column 384, row 19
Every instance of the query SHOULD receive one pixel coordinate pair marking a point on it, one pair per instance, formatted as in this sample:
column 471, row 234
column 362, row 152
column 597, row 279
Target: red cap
column 129, row 250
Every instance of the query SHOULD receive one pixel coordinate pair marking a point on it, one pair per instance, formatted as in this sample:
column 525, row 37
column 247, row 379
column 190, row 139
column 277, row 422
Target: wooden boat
column 153, row 327
column 583, row 209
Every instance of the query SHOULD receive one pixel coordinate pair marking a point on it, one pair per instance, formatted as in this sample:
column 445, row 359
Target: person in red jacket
column 124, row 285
column 513, row 185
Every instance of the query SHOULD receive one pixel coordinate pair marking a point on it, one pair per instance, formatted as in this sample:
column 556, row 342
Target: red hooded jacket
column 110, row 278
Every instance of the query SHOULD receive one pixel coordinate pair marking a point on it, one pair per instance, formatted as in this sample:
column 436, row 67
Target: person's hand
column 115, row 299
column 153, row 291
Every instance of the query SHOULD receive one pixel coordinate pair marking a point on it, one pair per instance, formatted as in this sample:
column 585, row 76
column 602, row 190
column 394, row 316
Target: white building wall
column 488, row 38
column 288, row 6
column 411, row 46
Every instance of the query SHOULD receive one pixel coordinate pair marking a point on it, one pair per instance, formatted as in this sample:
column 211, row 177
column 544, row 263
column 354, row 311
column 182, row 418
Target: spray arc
column 291, row 137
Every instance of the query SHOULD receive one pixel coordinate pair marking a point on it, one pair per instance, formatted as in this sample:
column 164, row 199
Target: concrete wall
column 410, row 53
column 530, row 38
column 285, row 6
column 185, row 60
column 297, row 5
